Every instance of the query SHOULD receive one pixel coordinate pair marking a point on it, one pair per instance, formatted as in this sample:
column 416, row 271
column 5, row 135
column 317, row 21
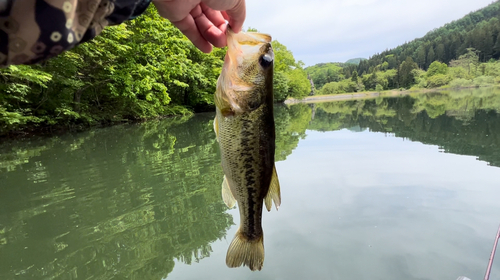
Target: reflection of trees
column 119, row 202
column 291, row 124
column 126, row 201
column 115, row 203
column 465, row 122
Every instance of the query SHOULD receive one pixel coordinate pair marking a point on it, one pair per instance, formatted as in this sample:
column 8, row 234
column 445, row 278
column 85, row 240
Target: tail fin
column 243, row 251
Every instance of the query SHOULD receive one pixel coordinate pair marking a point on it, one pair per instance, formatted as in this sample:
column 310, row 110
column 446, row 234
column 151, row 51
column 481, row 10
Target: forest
column 463, row 53
column 142, row 69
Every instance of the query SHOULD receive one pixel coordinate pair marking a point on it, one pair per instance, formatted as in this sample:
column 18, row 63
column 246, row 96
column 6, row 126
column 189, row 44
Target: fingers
column 235, row 11
column 204, row 21
column 212, row 26
column 237, row 16
column 188, row 27
column 175, row 10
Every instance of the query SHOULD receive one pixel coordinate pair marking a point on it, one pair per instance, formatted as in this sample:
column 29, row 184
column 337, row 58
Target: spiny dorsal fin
column 227, row 195
column 274, row 193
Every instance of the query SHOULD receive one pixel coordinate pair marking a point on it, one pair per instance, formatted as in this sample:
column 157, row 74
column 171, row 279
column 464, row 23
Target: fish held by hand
column 244, row 127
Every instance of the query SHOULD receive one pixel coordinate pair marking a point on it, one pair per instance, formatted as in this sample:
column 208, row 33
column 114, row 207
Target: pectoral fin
column 274, row 193
column 216, row 128
column 227, row 195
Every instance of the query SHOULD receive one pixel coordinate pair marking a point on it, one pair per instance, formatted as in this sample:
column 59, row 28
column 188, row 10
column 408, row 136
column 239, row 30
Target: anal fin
column 274, row 193
column 227, row 195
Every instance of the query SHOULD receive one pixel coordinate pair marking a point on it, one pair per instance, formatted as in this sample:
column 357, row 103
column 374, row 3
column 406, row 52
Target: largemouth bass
column 244, row 127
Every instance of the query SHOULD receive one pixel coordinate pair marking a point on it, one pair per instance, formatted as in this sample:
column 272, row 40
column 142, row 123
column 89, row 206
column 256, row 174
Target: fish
column 245, row 130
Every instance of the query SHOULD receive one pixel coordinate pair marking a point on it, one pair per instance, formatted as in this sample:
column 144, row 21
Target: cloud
column 337, row 30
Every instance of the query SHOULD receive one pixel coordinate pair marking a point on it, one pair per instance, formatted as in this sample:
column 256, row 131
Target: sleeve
column 35, row 30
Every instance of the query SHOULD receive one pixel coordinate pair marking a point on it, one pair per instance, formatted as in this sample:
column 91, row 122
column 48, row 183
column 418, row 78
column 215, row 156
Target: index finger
column 235, row 9
column 237, row 16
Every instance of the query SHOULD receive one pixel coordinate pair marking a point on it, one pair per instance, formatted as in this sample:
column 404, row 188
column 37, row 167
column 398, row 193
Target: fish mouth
column 248, row 38
column 248, row 45
column 243, row 68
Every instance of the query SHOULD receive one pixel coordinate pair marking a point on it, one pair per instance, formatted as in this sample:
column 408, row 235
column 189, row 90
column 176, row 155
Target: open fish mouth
column 244, row 47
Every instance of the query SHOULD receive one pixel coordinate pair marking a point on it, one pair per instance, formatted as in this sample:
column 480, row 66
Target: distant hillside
column 479, row 30
column 355, row 60
column 323, row 73
column 462, row 53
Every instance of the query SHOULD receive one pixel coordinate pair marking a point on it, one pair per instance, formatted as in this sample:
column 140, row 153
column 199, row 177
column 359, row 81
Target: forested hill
column 479, row 30
column 355, row 60
column 463, row 53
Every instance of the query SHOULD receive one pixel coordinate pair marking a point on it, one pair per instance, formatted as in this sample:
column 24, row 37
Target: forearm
column 35, row 30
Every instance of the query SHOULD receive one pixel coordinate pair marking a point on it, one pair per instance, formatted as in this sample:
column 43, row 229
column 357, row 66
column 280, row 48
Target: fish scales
column 246, row 147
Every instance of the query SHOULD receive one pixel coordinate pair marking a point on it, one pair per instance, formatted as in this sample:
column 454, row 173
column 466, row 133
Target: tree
column 469, row 61
column 496, row 48
column 354, row 77
column 440, row 53
column 290, row 74
column 430, row 55
column 406, row 78
column 437, row 68
column 421, row 56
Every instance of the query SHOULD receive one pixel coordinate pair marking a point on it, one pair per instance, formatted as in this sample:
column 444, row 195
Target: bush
column 483, row 81
column 460, row 83
column 339, row 87
column 438, row 80
column 458, row 72
column 437, row 68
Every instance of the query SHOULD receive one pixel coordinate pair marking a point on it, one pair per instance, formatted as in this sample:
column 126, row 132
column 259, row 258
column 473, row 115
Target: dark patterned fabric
column 35, row 30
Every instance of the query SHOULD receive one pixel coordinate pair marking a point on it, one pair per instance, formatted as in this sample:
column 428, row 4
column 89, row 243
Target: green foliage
column 354, row 76
column 458, row 73
column 406, row 74
column 281, row 86
column 144, row 68
column 483, row 81
column 468, row 61
column 290, row 79
column 469, row 46
column 298, row 85
column 339, row 87
column 325, row 73
column 438, row 80
column 478, row 30
column 491, row 68
column 437, row 68
column 460, row 83
column 355, row 61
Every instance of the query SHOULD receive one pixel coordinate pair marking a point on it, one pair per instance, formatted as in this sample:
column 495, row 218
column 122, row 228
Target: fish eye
column 265, row 60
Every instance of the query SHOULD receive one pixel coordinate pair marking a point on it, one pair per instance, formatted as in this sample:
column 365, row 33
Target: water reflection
column 116, row 203
column 465, row 122
column 131, row 201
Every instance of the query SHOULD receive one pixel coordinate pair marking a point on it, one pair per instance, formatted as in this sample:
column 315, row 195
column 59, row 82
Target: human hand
column 204, row 21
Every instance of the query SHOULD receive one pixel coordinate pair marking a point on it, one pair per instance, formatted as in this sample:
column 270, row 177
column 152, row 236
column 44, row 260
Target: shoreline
column 346, row 96
column 364, row 95
column 30, row 131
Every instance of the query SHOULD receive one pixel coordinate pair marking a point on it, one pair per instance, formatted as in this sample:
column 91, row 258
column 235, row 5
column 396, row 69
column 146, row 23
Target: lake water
column 386, row 188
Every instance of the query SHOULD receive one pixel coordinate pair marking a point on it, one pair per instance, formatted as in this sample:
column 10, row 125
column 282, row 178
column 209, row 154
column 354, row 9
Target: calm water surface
column 387, row 188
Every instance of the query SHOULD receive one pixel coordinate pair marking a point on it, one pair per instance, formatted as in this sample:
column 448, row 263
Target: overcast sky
column 337, row 30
